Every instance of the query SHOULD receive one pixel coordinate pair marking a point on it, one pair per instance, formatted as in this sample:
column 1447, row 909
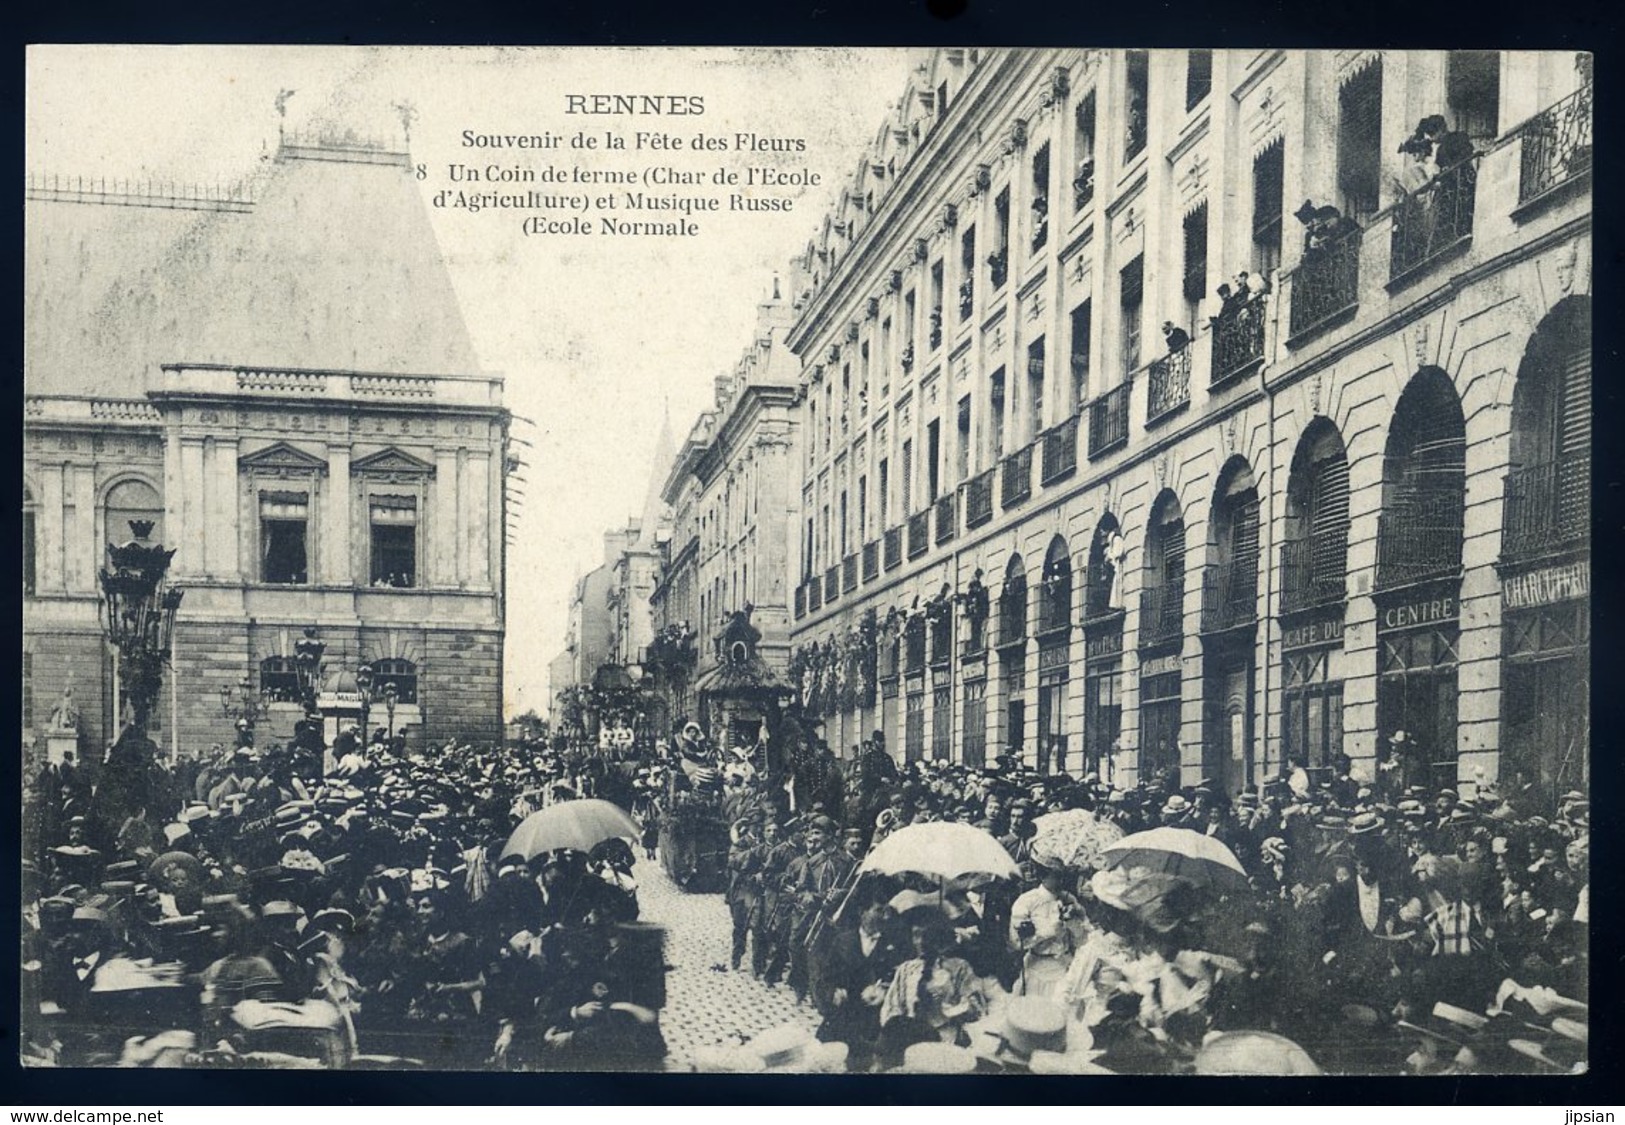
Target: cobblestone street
column 707, row 1003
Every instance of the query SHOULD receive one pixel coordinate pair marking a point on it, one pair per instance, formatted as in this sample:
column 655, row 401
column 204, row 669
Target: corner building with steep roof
column 1352, row 506
column 281, row 379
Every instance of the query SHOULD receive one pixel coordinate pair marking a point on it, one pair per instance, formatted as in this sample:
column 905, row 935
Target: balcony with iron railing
column 1238, row 342
column 1230, row 594
column 1419, row 538
column 1055, row 613
column 1547, row 509
column 1162, row 614
column 1313, row 573
column 871, row 560
column 832, row 585
column 849, row 574
column 1108, row 421
column 893, row 548
column 1326, row 286
column 946, row 516
column 1168, row 385
column 1016, row 477
column 919, row 533
column 1060, row 452
column 979, row 499
column 1555, row 147
column 1434, row 221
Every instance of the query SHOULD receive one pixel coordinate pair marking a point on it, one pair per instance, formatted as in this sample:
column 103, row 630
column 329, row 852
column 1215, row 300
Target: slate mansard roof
column 333, row 266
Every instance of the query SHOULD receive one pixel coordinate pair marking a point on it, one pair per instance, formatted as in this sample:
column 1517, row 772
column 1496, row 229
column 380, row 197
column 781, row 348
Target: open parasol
column 575, row 825
column 946, row 849
column 1073, row 838
column 1179, row 851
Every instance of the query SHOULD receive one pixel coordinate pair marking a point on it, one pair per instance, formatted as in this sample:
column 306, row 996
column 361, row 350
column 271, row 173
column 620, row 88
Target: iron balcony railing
column 1556, row 145
column 1313, row 573
column 801, row 600
column 1060, row 452
column 849, row 573
column 1326, row 283
column 893, row 548
column 832, row 584
column 1230, row 594
column 946, row 518
column 1108, row 421
column 1548, row 507
column 1238, row 341
column 1434, row 219
column 1162, row 614
column 919, row 533
column 1168, row 385
column 1016, row 478
column 871, row 560
column 1419, row 538
column 979, row 499
column 815, row 594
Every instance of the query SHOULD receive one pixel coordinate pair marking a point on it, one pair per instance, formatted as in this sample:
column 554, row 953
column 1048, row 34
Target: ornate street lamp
column 138, row 616
column 307, row 664
column 239, row 701
column 363, row 685
column 390, row 696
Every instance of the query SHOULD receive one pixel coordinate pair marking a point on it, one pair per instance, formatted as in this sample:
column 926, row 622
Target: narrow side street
column 707, row 1003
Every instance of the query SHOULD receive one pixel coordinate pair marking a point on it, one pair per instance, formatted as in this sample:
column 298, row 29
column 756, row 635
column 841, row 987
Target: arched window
column 131, row 500
column 1104, row 595
column 1055, row 595
column 1230, row 584
column 394, row 670
column 1013, row 604
column 1424, row 483
column 1162, row 594
column 1548, row 486
column 1314, row 552
column 30, row 514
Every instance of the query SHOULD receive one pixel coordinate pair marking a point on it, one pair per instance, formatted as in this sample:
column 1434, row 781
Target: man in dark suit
column 853, row 982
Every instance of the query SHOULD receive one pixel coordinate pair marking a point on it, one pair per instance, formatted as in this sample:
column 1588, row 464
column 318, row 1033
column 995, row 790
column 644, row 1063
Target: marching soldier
column 767, row 949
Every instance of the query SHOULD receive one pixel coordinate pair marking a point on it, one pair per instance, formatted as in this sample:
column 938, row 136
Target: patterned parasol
column 1073, row 838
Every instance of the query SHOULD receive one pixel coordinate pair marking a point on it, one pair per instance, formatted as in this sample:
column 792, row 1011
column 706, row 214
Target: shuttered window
column 1269, row 176
column 1329, row 515
column 1359, row 140
column 1574, row 439
column 1196, row 254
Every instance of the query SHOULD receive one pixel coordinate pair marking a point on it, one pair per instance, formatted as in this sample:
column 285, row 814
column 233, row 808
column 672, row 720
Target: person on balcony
column 1451, row 147
column 1178, row 339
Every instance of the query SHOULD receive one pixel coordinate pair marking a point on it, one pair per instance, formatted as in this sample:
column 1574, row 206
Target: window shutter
column 1329, row 519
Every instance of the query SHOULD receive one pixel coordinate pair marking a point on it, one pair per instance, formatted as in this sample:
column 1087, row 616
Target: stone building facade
column 731, row 492
column 1353, row 506
column 279, row 378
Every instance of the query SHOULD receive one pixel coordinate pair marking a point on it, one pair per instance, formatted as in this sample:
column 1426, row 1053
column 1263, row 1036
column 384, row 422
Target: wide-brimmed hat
column 1175, row 805
column 938, row 1058
column 1253, row 1053
column 1306, row 212
column 795, row 1050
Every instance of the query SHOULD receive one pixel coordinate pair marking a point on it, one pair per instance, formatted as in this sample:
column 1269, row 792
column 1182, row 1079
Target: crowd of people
column 357, row 907
column 251, row 908
column 1375, row 930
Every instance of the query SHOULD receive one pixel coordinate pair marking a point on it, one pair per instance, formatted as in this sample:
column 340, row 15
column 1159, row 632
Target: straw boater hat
column 789, row 1049
column 938, row 1058
column 1253, row 1053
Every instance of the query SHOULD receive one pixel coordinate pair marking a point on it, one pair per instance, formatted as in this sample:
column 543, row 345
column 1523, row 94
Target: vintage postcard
column 1022, row 561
